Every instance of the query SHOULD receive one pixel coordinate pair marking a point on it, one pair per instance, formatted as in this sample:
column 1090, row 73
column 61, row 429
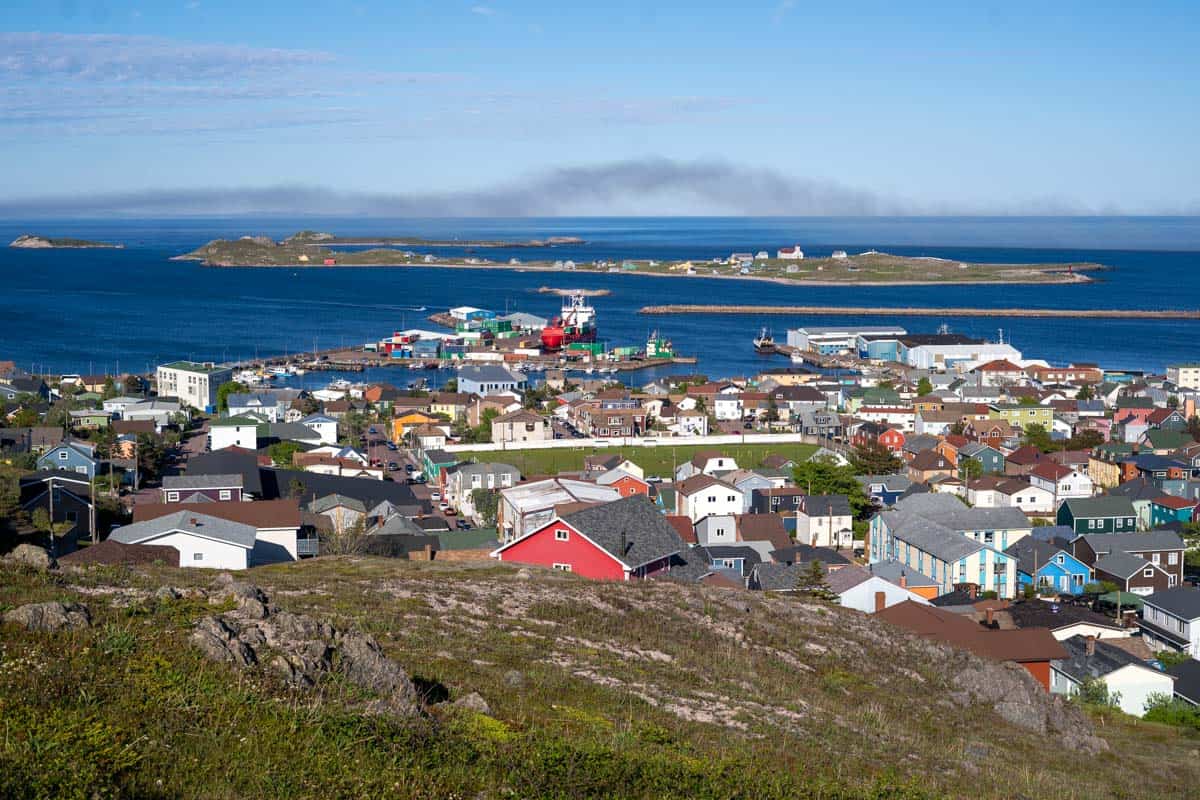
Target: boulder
column 166, row 594
column 217, row 639
column 50, row 617
column 473, row 702
column 30, row 555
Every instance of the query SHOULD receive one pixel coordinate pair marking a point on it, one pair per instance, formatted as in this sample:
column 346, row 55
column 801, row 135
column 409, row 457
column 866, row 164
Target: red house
column 879, row 433
column 623, row 540
column 626, row 485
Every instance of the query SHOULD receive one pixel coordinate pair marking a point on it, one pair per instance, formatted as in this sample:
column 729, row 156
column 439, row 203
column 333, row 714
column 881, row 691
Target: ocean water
column 100, row 310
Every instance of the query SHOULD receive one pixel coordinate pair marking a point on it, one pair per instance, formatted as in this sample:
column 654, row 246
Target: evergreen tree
column 811, row 583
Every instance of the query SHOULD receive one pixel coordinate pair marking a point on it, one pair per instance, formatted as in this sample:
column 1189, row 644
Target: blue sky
column 616, row 107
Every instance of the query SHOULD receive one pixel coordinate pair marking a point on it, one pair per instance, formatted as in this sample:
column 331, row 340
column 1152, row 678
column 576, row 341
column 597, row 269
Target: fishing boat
column 764, row 342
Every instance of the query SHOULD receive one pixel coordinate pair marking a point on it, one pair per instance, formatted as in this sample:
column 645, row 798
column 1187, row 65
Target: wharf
column 885, row 311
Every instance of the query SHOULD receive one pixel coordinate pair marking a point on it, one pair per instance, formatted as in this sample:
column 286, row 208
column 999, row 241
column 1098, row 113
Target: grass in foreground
column 659, row 460
column 596, row 690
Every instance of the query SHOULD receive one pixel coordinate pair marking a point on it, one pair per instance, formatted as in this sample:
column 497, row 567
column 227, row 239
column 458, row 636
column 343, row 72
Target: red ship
column 577, row 323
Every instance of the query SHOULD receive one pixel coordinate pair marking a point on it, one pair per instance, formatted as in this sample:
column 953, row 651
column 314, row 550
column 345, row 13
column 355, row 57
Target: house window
column 172, row 497
column 1154, row 559
column 563, row 567
column 197, row 556
column 72, row 516
column 62, row 455
column 1060, row 559
column 712, row 498
column 732, row 498
column 226, row 494
column 561, row 535
column 81, row 470
column 1148, row 572
column 1172, row 558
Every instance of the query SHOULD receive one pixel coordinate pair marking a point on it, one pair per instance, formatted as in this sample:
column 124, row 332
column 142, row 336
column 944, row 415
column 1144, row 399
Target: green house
column 1023, row 416
column 1105, row 514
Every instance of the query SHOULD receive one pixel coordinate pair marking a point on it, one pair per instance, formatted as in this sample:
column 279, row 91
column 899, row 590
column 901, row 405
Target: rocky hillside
column 373, row 677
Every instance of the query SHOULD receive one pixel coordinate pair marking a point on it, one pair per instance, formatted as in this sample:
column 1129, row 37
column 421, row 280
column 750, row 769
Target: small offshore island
column 29, row 241
column 872, row 268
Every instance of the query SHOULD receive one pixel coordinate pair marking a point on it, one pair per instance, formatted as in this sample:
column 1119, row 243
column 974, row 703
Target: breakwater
column 887, row 311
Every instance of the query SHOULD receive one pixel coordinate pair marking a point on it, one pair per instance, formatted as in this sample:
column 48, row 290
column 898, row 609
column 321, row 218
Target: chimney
column 990, row 613
column 193, row 521
column 971, row 590
column 880, row 601
column 1090, row 646
column 903, row 580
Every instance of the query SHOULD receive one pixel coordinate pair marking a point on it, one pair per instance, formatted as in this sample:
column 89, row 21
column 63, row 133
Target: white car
column 435, row 496
column 443, row 507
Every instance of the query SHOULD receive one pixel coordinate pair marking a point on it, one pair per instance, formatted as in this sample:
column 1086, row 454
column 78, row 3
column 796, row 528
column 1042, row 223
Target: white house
column 160, row 412
column 824, row 521
column 793, row 253
column 117, row 405
column 705, row 462
column 1027, row 497
column 233, row 432
column 702, row 496
column 691, row 423
column 323, row 426
column 200, row 540
column 1061, row 481
column 194, row 384
column 1129, row 680
column 727, row 406
column 719, row 529
column 1171, row 620
column 858, row 589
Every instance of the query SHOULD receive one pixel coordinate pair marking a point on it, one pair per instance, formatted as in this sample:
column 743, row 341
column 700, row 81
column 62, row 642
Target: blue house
column 1167, row 509
column 72, row 456
column 989, row 458
column 885, row 490
column 1049, row 564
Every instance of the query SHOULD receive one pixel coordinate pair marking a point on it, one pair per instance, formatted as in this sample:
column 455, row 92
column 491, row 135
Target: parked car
column 462, row 525
column 409, row 468
column 435, row 496
column 392, row 446
column 393, row 466
column 444, row 507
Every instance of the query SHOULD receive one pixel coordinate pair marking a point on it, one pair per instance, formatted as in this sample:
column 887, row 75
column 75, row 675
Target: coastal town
column 1032, row 513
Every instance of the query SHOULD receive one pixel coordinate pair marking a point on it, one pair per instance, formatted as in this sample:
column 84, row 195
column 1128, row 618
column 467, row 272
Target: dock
column 884, row 311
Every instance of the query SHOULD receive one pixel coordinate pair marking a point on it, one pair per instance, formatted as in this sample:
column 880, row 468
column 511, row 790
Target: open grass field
column 659, row 460
column 645, row 690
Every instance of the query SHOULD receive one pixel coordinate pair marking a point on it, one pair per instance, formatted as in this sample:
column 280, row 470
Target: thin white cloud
column 483, row 11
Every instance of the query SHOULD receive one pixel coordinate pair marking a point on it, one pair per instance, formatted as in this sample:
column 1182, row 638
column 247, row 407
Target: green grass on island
column 309, row 249
column 657, row 460
column 606, row 690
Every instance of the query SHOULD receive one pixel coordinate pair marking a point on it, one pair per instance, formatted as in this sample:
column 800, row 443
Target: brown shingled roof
column 283, row 513
column 931, row 622
column 110, row 553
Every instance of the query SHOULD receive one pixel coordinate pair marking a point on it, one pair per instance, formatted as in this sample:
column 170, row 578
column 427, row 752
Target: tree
column 226, row 389
column 924, row 387
column 486, row 504
column 1166, row 709
column 1173, row 401
column 822, row 476
column 281, row 453
column 874, row 459
column 1037, row 436
column 1094, row 692
column 1026, row 400
column 970, row 468
column 1086, row 392
column 811, row 583
column 772, row 410
column 346, row 540
column 41, row 523
column 110, row 389
column 450, row 386
column 151, row 455
column 958, row 428
column 1170, row 658
column 26, row 417
column 484, row 432
column 1194, row 427
column 296, row 488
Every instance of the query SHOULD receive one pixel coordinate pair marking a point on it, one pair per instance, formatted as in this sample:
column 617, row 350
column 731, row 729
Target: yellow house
column 409, row 420
column 1024, row 416
column 450, row 404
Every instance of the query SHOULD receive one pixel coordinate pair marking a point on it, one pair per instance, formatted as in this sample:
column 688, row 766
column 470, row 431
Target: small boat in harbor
column 764, row 342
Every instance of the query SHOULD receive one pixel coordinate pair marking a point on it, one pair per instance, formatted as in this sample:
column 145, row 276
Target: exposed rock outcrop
column 1022, row 701
column 30, row 555
column 50, row 617
column 305, row 649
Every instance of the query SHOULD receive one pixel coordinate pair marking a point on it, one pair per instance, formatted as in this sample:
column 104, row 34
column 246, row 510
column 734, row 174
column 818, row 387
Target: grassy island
column 311, row 249
column 31, row 242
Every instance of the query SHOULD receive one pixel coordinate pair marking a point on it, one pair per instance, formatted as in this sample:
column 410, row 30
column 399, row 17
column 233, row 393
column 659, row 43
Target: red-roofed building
column 1000, row 372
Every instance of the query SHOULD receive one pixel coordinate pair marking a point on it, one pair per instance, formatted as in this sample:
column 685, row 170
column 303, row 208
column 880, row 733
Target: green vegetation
column 226, row 389
column 31, row 242
column 659, row 460
column 310, row 248
column 823, row 476
column 595, row 690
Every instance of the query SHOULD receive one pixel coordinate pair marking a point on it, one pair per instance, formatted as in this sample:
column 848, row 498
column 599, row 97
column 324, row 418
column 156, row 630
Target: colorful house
column 1104, row 514
column 72, row 456
column 626, row 539
column 989, row 458
column 1046, row 564
column 1167, row 509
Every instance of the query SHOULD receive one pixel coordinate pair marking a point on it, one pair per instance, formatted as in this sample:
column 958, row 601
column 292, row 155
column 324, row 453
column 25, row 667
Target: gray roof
column 634, row 522
column 1136, row 490
column 1104, row 659
column 488, row 373
column 241, row 400
column 290, row 430
column 1120, row 564
column 191, row 522
column 1032, row 554
column 1103, row 543
column 939, row 541
column 893, row 483
column 950, row 512
column 485, row 468
column 893, row 571
column 1103, row 506
column 846, row 578
column 184, row 482
column 1182, row 601
column 775, row 577
column 821, row 505
column 332, row 501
